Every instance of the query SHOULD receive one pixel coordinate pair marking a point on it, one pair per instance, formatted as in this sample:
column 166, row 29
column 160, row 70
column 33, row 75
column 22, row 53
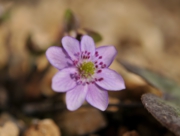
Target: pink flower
column 83, row 72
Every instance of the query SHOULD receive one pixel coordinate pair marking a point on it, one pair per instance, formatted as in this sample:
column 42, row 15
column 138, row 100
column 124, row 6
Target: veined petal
column 87, row 44
column 108, row 54
column 76, row 97
column 72, row 47
column 58, row 58
column 63, row 81
column 110, row 80
column 97, row 97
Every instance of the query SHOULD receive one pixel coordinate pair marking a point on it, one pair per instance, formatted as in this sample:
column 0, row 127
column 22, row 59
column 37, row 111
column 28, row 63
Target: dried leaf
column 46, row 127
column 9, row 129
column 82, row 121
column 32, row 48
column 131, row 133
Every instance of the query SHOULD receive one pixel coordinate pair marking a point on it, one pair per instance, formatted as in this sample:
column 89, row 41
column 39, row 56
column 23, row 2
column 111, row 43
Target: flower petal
column 111, row 80
column 97, row 97
column 62, row 81
column 76, row 97
column 71, row 45
column 87, row 44
column 108, row 54
column 58, row 57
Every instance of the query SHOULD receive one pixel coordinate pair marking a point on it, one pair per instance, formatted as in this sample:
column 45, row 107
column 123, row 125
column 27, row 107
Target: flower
column 83, row 72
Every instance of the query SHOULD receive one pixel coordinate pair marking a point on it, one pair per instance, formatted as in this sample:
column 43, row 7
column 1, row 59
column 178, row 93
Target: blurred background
column 146, row 35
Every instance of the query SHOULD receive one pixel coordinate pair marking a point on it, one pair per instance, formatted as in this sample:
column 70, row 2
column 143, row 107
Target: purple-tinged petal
column 63, row 81
column 110, row 80
column 97, row 97
column 58, row 57
column 76, row 97
column 87, row 44
column 108, row 54
column 72, row 46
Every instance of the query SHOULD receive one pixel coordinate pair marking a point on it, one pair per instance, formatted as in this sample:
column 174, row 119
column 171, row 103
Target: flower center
column 87, row 69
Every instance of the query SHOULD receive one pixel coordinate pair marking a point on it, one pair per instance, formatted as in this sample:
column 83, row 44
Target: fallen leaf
column 45, row 127
column 9, row 129
column 82, row 121
column 131, row 133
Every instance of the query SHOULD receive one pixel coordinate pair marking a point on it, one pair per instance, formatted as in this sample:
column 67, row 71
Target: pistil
column 87, row 69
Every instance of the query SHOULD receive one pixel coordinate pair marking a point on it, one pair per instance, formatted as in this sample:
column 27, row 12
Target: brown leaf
column 81, row 121
column 9, row 129
column 131, row 133
column 46, row 127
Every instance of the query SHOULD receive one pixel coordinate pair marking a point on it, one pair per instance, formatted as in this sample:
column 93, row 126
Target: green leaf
column 5, row 16
column 166, row 110
column 170, row 88
column 166, row 113
column 96, row 36
column 71, row 22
